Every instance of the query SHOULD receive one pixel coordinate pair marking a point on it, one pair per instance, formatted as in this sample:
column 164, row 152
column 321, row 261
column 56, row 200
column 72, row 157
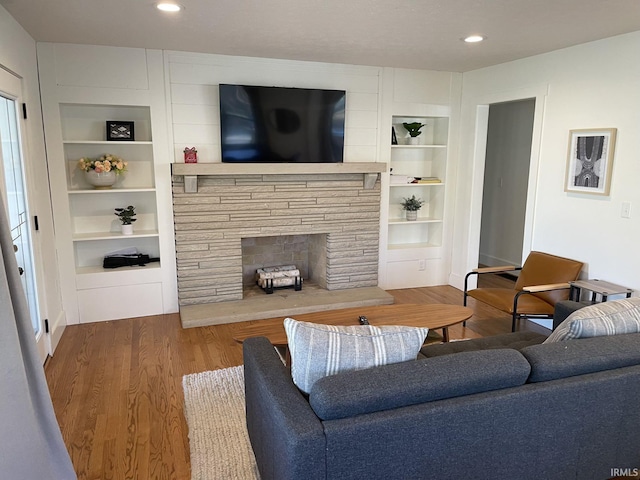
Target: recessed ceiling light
column 473, row 38
column 169, row 7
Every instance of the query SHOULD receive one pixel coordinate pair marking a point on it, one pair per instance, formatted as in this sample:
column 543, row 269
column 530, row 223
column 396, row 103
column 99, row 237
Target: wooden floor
column 117, row 391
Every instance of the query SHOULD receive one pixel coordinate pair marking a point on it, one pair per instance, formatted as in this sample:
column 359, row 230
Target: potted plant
column 414, row 130
column 102, row 172
column 126, row 218
column 412, row 205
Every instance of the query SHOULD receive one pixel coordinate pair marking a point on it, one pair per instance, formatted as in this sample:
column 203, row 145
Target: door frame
column 539, row 93
column 11, row 87
column 514, row 246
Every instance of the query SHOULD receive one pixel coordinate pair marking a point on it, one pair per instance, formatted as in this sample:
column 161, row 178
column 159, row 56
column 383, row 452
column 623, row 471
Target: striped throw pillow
column 608, row 318
column 321, row 350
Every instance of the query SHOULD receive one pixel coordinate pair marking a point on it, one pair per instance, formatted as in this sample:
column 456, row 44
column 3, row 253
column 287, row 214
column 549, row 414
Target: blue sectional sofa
column 543, row 411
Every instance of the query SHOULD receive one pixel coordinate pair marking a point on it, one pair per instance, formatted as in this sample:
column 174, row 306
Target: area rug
column 215, row 413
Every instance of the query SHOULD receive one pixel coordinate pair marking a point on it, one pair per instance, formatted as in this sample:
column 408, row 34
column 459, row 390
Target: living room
column 555, row 219
column 586, row 86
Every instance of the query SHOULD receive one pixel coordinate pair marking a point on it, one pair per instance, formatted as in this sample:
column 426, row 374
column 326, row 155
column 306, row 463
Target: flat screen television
column 281, row 125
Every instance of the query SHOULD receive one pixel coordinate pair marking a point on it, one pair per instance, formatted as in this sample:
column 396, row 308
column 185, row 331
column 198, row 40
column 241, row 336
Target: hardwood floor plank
column 117, row 386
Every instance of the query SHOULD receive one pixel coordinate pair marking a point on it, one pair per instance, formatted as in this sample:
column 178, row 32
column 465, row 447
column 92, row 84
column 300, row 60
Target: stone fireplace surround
column 228, row 204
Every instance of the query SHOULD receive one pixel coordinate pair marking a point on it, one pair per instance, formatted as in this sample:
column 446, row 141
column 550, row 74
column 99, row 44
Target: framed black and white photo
column 120, row 131
column 590, row 161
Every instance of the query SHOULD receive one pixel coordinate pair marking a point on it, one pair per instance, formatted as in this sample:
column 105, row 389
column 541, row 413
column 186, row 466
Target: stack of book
column 427, row 180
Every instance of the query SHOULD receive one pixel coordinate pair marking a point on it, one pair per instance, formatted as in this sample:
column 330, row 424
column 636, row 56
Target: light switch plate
column 625, row 211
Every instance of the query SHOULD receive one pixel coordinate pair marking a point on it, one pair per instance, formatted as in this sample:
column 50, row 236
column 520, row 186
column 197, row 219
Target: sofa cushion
column 320, row 350
column 551, row 361
column 516, row 341
column 419, row 381
column 607, row 318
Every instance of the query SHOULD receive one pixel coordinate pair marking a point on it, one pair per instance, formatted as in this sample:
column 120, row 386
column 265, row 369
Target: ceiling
column 423, row 34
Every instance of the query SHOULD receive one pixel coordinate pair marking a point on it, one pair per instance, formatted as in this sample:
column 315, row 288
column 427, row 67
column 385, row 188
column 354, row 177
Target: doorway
column 481, row 105
column 506, row 179
column 14, row 192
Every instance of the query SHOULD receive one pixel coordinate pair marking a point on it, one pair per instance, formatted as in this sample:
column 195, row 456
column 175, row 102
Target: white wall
column 193, row 81
column 593, row 85
column 18, row 54
column 193, row 86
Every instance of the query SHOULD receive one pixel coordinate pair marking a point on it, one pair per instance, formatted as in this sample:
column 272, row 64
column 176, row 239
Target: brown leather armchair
column 543, row 280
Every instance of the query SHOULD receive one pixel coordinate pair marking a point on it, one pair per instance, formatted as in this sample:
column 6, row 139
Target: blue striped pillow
column 608, row 318
column 321, row 350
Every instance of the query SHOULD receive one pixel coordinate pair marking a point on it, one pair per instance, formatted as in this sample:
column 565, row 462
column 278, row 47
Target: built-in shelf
column 75, row 122
column 134, row 269
column 402, row 221
column 407, row 246
column 428, row 159
column 413, row 185
column 93, row 232
column 87, row 237
column 111, row 190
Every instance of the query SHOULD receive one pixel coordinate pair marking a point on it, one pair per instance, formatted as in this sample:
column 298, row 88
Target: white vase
column 102, row 180
column 127, row 229
column 414, row 140
column 412, row 215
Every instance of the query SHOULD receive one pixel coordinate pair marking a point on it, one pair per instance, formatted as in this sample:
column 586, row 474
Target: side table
column 597, row 287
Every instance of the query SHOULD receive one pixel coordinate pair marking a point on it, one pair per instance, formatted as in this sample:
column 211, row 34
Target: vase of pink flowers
column 102, row 173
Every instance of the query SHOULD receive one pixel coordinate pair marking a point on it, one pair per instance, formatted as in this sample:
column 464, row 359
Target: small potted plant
column 414, row 130
column 126, row 216
column 412, row 205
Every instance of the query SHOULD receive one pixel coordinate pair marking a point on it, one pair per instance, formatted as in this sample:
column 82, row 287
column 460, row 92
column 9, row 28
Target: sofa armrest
column 564, row 308
column 287, row 437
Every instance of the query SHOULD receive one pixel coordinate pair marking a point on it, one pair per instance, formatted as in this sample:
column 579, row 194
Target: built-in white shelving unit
column 427, row 159
column 77, row 106
column 95, row 228
column 417, row 253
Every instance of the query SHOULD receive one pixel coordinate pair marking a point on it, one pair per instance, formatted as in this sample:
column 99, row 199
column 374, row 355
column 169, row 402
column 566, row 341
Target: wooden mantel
column 191, row 171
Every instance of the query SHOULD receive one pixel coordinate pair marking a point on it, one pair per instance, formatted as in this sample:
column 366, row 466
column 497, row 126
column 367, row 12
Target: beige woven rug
column 215, row 412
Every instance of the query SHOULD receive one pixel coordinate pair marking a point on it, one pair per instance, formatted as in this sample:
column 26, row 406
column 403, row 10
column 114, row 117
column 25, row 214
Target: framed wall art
column 590, row 161
column 120, row 131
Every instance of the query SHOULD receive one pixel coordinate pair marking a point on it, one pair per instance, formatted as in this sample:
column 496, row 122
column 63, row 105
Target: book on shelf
column 427, row 180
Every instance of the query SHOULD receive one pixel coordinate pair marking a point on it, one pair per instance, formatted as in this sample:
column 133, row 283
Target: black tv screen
column 281, row 125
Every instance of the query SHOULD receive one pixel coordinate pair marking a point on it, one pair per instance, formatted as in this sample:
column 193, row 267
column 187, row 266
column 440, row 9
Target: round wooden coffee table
column 431, row 316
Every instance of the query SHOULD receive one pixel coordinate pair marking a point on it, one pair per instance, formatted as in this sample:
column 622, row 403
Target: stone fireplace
column 232, row 219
